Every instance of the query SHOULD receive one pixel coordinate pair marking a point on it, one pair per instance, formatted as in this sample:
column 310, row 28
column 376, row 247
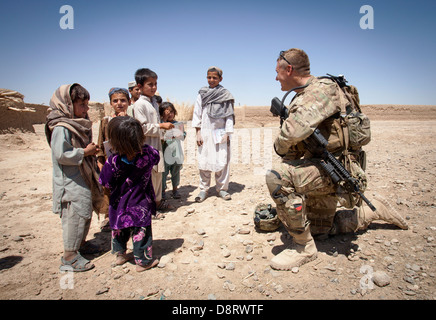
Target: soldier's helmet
column 265, row 217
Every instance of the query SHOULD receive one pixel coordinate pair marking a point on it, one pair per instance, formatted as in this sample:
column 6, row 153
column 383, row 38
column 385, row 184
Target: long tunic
column 212, row 155
column 132, row 199
column 68, row 183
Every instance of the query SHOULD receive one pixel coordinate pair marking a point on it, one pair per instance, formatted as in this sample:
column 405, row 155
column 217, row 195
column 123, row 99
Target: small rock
column 201, row 232
column 244, row 231
column 117, row 276
column 199, row 246
column 102, row 290
column 229, row 285
column 330, row 267
column 226, row 253
column 230, row 266
column 247, row 242
column 415, row 267
column 248, row 249
column 381, row 278
column 295, row 269
column 278, row 288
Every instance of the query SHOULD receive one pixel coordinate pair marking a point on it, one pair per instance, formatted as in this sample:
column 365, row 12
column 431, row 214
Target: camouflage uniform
column 303, row 192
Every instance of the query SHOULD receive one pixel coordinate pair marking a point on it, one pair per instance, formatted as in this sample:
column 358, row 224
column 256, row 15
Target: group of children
column 124, row 175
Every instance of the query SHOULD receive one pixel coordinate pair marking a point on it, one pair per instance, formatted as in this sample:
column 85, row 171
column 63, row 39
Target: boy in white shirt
column 146, row 111
column 213, row 120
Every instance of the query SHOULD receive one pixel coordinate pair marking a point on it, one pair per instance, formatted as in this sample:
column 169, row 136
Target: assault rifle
column 317, row 145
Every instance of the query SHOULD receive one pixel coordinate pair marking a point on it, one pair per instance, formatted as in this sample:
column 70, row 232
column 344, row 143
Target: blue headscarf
column 116, row 89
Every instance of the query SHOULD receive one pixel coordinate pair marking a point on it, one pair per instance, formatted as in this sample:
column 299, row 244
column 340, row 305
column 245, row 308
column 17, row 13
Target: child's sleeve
column 154, row 156
column 145, row 118
column 62, row 149
column 198, row 111
column 107, row 175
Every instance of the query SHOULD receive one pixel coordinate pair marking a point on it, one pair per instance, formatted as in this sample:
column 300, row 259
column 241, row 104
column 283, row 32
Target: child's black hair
column 166, row 105
column 126, row 135
column 141, row 75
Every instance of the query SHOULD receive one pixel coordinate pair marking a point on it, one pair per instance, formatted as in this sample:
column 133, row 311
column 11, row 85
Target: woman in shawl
column 213, row 120
column 76, row 191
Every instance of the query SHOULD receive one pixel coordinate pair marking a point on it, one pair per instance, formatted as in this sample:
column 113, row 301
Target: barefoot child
column 127, row 173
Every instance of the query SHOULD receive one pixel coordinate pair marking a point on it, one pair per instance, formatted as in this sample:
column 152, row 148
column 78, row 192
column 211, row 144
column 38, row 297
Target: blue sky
column 394, row 63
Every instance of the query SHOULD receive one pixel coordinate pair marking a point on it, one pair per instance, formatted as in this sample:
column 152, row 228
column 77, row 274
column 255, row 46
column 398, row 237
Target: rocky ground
column 212, row 250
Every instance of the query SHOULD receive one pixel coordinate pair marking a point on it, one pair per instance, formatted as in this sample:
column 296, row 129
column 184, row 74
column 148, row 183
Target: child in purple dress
column 127, row 173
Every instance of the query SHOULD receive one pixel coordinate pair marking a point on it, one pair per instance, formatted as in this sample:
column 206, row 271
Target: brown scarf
column 61, row 113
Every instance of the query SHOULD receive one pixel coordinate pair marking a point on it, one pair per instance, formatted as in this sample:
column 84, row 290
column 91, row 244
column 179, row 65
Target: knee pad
column 274, row 183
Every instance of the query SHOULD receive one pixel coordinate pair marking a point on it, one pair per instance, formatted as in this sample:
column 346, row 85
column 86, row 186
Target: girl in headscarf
column 76, row 191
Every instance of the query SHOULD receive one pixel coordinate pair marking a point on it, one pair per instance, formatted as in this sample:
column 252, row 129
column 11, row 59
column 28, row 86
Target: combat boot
column 384, row 212
column 304, row 252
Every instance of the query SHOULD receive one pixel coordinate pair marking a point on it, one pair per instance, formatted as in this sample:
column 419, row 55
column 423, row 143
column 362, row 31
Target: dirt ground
column 212, row 250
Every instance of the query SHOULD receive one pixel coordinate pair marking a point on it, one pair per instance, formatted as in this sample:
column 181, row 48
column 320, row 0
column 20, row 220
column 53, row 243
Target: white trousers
column 222, row 179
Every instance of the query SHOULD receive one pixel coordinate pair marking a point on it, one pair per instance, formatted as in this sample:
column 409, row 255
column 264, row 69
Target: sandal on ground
column 176, row 194
column 225, row 195
column 152, row 264
column 201, row 196
column 77, row 264
column 121, row 259
column 164, row 207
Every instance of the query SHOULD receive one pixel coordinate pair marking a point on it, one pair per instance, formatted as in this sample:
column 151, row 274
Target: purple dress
column 132, row 199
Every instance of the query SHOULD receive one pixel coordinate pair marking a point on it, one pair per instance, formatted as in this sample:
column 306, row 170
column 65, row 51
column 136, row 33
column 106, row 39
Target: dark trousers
column 142, row 243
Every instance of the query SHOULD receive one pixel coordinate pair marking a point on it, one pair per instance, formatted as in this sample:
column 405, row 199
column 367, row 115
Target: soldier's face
column 283, row 76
